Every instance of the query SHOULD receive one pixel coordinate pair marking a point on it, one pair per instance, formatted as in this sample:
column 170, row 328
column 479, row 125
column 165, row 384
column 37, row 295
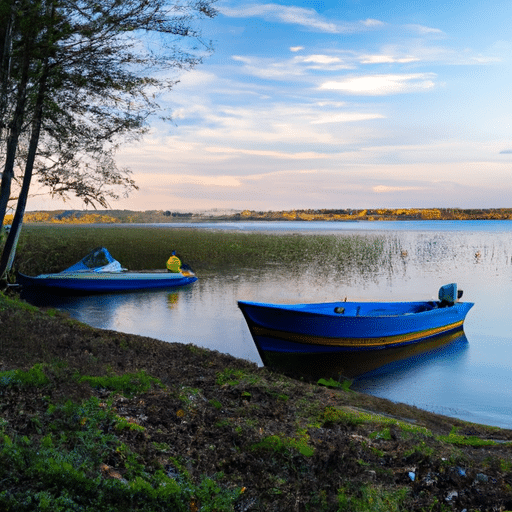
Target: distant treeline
column 95, row 217
column 160, row 216
column 380, row 214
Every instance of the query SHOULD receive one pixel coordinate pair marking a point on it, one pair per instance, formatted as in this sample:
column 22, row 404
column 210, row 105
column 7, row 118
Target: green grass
column 44, row 248
column 462, row 440
column 62, row 469
column 35, row 377
column 233, row 377
column 129, row 384
column 286, row 445
column 372, row 499
column 353, row 417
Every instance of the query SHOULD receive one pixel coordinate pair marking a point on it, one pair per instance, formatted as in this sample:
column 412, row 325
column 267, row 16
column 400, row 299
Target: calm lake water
column 470, row 378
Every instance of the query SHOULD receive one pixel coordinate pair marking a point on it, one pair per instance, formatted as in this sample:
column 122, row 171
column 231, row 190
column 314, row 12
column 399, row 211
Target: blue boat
column 99, row 272
column 354, row 331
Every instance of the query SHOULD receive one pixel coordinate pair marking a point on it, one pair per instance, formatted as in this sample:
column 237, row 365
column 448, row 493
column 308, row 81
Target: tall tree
column 15, row 68
column 88, row 74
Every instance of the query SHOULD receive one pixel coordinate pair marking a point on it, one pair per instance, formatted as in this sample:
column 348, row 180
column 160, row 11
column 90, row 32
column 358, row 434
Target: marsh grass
column 53, row 248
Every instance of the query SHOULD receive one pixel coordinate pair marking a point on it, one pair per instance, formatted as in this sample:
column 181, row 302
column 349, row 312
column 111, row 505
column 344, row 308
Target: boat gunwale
column 301, row 308
column 118, row 275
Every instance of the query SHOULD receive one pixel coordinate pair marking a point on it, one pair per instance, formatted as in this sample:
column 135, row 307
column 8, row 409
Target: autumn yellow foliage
column 430, row 214
column 377, row 214
column 290, row 215
column 88, row 218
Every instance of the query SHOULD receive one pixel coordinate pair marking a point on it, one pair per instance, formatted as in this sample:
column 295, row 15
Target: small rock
column 451, row 495
column 481, row 478
column 429, row 479
column 372, row 475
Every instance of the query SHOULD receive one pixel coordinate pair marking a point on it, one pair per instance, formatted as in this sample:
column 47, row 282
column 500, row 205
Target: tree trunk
column 6, row 29
column 15, row 127
column 11, row 243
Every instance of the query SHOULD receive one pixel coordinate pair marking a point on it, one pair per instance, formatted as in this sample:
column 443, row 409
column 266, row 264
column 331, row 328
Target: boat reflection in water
column 355, row 364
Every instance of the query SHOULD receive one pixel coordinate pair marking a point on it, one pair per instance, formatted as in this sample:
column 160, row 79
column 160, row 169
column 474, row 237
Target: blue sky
column 337, row 104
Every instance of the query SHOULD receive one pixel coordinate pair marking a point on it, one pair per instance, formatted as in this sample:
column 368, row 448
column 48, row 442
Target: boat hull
column 354, row 332
column 104, row 282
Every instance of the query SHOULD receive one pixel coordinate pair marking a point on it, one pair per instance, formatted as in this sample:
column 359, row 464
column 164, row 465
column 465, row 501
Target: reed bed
column 45, row 248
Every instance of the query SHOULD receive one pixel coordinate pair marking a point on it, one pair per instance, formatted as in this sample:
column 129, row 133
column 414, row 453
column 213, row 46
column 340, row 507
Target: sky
column 335, row 104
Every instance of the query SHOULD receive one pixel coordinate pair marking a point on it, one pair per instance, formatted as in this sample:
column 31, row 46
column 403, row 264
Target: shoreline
column 270, row 442
column 301, row 215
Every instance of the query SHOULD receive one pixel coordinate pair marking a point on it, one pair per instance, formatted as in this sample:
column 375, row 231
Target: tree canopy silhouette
column 78, row 78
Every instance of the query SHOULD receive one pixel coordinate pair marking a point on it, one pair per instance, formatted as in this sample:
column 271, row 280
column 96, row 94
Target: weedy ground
column 93, row 420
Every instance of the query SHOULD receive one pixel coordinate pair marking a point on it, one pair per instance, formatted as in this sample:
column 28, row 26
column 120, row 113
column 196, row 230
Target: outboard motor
column 448, row 294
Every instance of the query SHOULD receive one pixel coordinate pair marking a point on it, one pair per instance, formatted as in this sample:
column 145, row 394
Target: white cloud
column 372, row 23
column 380, row 189
column 321, row 62
column 296, row 48
column 285, row 14
column 380, row 85
column 387, row 59
column 271, row 69
column 422, row 30
column 296, row 123
column 346, row 117
column 267, row 153
column 319, row 59
column 307, row 18
column 297, row 66
column 281, row 174
column 166, row 180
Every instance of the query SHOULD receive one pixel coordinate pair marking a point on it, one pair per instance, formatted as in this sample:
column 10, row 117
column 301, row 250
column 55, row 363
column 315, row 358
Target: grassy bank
column 94, row 420
column 97, row 421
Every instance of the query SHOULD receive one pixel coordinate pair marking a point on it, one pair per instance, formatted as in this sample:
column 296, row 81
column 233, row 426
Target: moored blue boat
column 99, row 272
column 360, row 329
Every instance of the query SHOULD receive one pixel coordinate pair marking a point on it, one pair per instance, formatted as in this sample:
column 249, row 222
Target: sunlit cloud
column 281, row 174
column 204, row 181
column 307, row 155
column 293, row 124
column 380, row 189
column 296, row 48
column 380, row 85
